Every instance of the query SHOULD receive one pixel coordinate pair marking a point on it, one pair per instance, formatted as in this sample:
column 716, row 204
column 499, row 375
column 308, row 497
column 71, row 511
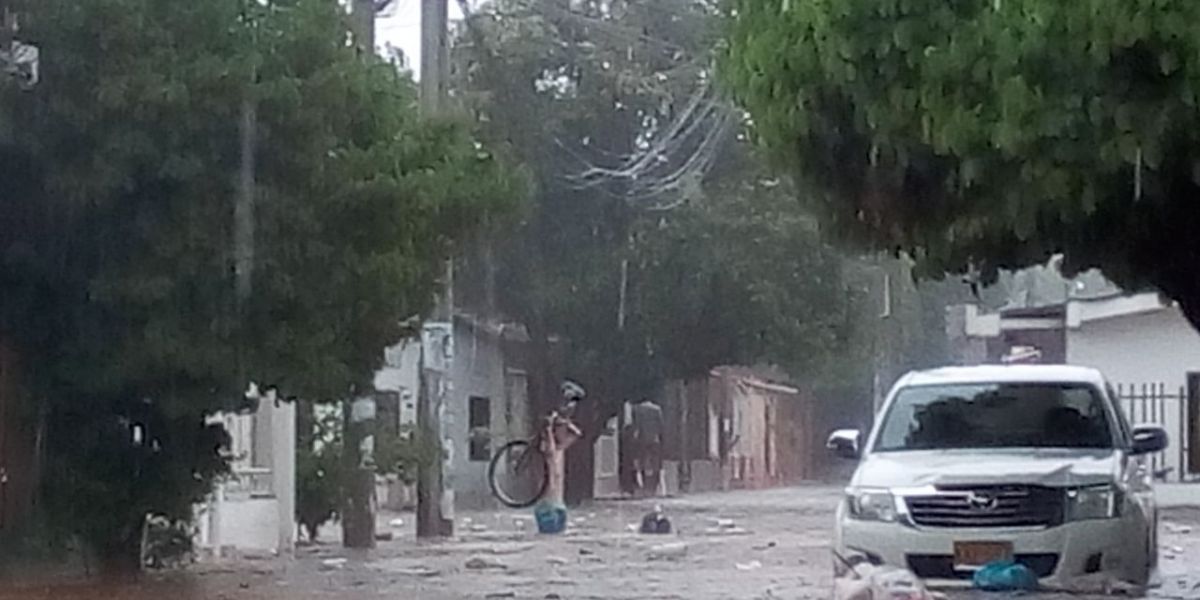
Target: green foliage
column 986, row 133
column 322, row 474
column 736, row 273
column 116, row 234
column 320, row 480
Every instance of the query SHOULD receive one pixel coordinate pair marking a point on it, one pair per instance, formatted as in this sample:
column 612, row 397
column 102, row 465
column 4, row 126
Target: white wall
column 1146, row 348
column 236, row 515
column 477, row 370
column 1155, row 347
column 399, row 374
column 250, row 524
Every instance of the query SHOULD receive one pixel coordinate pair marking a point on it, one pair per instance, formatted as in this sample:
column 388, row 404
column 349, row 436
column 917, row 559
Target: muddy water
column 737, row 546
column 228, row 583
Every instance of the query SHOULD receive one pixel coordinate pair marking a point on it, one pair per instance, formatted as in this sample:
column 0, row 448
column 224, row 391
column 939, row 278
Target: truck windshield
column 1024, row 415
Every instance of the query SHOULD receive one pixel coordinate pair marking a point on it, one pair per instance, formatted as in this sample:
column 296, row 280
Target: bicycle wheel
column 518, row 474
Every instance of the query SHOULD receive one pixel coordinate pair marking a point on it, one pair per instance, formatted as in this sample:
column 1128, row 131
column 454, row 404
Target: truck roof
column 1005, row 374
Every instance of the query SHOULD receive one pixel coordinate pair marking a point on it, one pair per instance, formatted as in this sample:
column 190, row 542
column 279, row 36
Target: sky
column 400, row 26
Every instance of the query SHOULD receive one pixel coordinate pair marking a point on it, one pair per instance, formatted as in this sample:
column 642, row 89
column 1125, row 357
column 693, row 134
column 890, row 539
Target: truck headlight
column 871, row 504
column 1094, row 502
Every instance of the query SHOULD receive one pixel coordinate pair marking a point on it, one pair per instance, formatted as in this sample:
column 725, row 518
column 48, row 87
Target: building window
column 480, row 423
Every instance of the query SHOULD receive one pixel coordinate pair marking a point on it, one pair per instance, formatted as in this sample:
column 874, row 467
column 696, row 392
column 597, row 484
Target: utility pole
column 435, row 490
column 358, row 434
column 363, row 18
column 435, row 55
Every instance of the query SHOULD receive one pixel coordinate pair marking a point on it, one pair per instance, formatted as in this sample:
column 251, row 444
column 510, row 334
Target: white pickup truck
column 967, row 466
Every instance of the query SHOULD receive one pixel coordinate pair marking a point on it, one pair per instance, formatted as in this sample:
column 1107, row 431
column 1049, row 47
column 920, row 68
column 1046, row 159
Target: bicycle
column 519, row 472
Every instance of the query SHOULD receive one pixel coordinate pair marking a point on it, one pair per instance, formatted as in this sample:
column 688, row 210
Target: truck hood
column 1048, row 467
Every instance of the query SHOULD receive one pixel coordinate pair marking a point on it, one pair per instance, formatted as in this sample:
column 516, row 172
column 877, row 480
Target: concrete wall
column 399, row 374
column 479, row 370
column 246, row 525
column 1154, row 347
column 607, row 450
column 255, row 512
column 1158, row 347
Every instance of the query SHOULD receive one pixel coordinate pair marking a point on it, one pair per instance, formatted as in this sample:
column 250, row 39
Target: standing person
column 627, row 451
column 648, row 428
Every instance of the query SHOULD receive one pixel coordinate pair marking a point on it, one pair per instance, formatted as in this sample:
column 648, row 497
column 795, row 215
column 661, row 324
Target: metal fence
column 1167, row 407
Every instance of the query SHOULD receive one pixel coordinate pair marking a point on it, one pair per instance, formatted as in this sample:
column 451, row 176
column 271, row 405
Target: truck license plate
column 972, row 555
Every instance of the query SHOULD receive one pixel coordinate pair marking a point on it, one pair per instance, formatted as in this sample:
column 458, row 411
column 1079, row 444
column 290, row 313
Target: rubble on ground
column 484, row 563
column 870, row 582
column 674, row 551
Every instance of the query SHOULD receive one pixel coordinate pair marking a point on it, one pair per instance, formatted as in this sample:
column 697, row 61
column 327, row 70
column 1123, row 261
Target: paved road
column 741, row 545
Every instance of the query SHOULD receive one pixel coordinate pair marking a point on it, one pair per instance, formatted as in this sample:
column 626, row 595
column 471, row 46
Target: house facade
column 485, row 402
column 488, row 403
column 739, row 429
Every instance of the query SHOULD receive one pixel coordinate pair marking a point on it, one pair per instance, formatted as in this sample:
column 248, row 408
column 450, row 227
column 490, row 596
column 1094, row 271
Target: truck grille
column 988, row 506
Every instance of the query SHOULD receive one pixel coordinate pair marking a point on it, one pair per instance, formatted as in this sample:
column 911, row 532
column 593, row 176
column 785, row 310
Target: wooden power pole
column 358, row 435
column 435, row 490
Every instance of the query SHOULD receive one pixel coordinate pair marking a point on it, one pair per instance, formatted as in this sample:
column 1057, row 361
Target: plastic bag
column 1005, row 576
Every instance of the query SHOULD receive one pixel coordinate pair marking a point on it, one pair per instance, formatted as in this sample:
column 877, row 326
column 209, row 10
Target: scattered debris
column 655, row 522
column 331, row 564
column 749, row 566
column 416, row 572
column 673, row 551
column 501, row 549
column 1177, row 529
column 482, row 563
column 870, row 582
column 722, row 531
column 1098, row 583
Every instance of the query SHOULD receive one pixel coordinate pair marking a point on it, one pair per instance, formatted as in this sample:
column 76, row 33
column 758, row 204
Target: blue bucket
column 551, row 518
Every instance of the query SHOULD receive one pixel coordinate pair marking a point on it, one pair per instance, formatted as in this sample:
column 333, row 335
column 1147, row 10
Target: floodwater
column 740, row 545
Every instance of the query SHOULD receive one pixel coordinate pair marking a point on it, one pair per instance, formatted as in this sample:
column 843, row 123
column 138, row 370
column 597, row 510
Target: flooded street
column 739, row 545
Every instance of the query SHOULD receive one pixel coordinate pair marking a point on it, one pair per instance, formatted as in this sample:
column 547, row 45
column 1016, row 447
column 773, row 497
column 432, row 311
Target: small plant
column 320, row 469
column 166, row 544
column 319, row 477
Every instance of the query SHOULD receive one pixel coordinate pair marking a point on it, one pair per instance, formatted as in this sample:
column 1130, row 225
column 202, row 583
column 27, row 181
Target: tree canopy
column 987, row 134
column 647, row 281
column 117, row 253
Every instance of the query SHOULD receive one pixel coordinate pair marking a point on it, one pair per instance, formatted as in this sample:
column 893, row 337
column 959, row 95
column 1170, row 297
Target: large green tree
column 983, row 134
column 651, row 267
column 118, row 261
